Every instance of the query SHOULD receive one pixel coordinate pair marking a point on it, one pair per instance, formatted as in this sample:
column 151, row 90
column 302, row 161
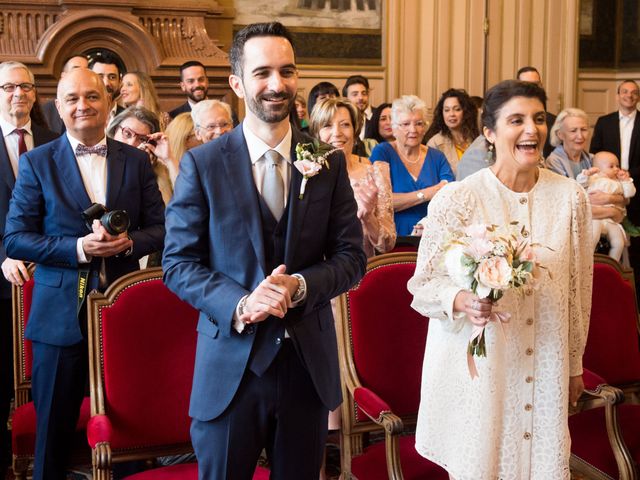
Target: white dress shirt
column 368, row 113
column 93, row 170
column 11, row 140
column 626, row 129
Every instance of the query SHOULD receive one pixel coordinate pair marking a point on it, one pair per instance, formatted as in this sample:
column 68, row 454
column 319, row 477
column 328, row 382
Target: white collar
column 8, row 128
column 368, row 112
column 631, row 116
column 257, row 147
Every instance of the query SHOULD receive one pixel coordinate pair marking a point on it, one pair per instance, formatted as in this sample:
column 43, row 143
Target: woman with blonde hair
column 138, row 89
column 335, row 121
column 182, row 136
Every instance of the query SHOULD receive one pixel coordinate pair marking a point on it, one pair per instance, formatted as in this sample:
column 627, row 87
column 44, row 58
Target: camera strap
column 83, row 283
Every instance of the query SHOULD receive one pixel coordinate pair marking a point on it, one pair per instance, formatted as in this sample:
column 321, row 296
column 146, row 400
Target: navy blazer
column 214, row 255
column 606, row 137
column 44, row 224
column 40, row 137
column 185, row 107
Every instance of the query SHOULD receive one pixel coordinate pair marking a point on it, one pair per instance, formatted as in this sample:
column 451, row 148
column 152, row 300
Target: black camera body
column 114, row 222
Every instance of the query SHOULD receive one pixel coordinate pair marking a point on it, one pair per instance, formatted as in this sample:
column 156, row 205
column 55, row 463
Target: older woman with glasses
column 417, row 171
column 139, row 127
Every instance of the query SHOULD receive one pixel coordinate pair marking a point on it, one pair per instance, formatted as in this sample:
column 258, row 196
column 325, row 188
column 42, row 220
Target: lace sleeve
column 581, row 281
column 384, row 209
column 433, row 291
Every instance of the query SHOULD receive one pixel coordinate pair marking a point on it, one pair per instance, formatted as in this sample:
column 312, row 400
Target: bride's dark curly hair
column 469, row 123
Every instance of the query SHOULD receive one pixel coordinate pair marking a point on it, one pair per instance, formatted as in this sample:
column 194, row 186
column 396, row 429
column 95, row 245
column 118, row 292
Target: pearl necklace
column 407, row 159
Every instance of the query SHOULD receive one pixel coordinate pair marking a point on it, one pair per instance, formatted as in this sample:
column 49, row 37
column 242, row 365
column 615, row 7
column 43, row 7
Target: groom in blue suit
column 261, row 262
column 55, row 184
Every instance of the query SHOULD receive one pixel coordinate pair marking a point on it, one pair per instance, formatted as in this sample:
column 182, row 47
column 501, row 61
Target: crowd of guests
column 397, row 160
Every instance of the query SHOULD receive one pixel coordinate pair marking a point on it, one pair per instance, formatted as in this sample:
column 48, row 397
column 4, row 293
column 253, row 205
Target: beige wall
column 597, row 91
column 432, row 45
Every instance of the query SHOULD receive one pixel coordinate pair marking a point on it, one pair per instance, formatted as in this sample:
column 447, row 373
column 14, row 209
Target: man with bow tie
column 18, row 135
column 56, row 183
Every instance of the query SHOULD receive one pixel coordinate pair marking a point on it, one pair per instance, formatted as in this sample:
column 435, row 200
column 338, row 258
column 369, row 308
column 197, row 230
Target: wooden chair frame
column 21, row 381
column 608, row 397
column 353, row 432
column 102, row 455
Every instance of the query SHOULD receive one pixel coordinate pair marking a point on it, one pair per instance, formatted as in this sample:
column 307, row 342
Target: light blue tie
column 273, row 185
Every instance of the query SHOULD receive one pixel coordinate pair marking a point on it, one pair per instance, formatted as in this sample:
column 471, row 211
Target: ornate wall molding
column 149, row 36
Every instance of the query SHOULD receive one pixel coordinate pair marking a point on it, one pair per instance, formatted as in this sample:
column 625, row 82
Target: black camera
column 115, row 222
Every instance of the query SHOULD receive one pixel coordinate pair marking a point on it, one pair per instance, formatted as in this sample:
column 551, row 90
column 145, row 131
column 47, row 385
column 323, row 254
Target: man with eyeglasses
column 194, row 83
column 19, row 135
column 56, row 184
column 106, row 66
column 211, row 119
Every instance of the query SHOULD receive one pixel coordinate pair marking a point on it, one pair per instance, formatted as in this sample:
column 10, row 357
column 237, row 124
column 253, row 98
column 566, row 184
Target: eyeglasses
column 11, row 87
column 419, row 125
column 213, row 126
column 128, row 134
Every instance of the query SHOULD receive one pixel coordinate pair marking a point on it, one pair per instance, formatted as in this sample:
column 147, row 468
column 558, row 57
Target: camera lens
column 116, row 222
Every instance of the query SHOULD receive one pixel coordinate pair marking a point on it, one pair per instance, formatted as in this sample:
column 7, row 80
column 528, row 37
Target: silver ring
column 475, row 305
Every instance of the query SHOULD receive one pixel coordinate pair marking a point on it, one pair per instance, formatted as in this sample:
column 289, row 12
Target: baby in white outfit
column 607, row 176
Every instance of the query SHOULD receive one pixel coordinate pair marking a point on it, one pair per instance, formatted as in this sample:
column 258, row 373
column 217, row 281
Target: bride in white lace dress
column 511, row 422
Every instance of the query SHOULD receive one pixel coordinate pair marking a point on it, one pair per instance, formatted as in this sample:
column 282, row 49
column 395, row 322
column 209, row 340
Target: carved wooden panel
column 153, row 36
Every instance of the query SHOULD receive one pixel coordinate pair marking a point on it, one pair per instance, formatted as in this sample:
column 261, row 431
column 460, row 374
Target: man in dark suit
column 261, row 261
column 619, row 133
column 18, row 96
column 56, row 183
column 531, row 74
column 49, row 109
column 194, row 83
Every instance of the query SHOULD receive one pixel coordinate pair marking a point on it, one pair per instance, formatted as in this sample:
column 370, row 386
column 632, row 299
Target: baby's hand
column 590, row 171
column 623, row 175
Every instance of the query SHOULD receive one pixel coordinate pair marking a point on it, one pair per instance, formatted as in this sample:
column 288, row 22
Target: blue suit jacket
column 44, row 223
column 7, row 181
column 214, row 255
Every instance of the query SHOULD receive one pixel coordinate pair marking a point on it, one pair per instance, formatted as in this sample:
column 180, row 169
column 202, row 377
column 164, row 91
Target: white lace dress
column 511, row 422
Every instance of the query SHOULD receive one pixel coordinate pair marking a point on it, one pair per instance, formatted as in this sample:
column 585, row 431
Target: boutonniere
column 311, row 157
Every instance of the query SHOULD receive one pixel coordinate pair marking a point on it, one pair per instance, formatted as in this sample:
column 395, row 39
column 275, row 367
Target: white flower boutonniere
column 311, row 157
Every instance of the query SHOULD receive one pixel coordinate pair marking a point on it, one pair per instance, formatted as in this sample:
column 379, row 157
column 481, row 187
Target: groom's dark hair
column 271, row 29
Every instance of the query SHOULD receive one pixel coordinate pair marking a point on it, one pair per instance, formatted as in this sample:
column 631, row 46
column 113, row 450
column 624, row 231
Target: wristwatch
column 302, row 288
column 420, row 195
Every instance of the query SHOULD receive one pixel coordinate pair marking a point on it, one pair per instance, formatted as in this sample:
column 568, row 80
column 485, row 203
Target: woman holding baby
column 570, row 135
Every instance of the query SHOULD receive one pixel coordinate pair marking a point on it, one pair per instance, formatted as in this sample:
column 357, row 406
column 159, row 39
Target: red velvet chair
column 23, row 418
column 613, row 345
column 606, row 441
column 381, row 342
column 142, row 343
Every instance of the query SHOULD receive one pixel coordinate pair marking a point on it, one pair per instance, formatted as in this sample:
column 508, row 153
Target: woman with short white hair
column 570, row 135
column 417, row 171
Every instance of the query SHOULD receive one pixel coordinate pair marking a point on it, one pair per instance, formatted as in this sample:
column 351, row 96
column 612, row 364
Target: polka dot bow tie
column 100, row 149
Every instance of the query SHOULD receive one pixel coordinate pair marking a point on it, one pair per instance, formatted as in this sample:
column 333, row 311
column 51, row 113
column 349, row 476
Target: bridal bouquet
column 489, row 260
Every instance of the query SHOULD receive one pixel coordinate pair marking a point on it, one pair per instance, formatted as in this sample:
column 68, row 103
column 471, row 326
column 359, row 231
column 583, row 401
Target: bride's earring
column 489, row 157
